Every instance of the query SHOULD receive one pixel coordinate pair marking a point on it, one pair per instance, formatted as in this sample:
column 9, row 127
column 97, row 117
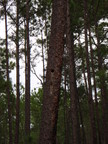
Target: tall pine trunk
column 83, row 66
column 17, row 78
column 53, row 77
column 83, row 136
column 73, row 94
column 66, row 123
column 7, row 77
column 93, row 134
column 95, row 90
column 43, row 57
column 103, row 90
column 27, row 87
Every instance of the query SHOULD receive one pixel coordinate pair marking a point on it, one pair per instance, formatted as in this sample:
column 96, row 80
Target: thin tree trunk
column 93, row 134
column 103, row 91
column 27, row 93
column 53, row 77
column 95, row 91
column 7, row 74
column 84, row 139
column 46, row 33
column 73, row 94
column 66, row 141
column 82, row 125
column 17, row 78
column 83, row 67
column 43, row 59
column 6, row 130
column 85, row 78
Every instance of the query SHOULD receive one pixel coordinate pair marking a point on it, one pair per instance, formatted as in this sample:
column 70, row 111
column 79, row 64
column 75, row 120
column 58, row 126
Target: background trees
column 83, row 96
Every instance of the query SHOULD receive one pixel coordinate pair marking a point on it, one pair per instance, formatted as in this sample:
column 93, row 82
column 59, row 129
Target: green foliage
column 12, row 65
column 36, row 103
column 4, row 112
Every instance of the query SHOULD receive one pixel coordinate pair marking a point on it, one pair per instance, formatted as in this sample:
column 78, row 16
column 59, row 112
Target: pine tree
column 53, row 77
column 90, row 98
column 17, row 77
column 73, row 94
column 27, row 88
column 7, row 77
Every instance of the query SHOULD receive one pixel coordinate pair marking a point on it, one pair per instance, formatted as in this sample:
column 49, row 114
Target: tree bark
column 93, row 134
column 7, row 76
column 27, row 90
column 53, row 77
column 73, row 94
column 84, row 139
column 103, row 90
column 83, row 66
column 43, row 57
column 17, row 78
column 95, row 91
column 66, row 139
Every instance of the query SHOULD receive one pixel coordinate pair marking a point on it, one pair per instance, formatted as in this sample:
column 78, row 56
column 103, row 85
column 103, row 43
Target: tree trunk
column 93, row 134
column 73, row 94
column 43, row 58
column 84, row 139
column 7, row 76
column 53, row 77
column 83, row 66
column 103, row 91
column 27, row 90
column 95, row 91
column 66, row 130
column 17, row 78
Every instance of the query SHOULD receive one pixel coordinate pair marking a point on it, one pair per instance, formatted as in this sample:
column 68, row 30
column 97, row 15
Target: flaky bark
column 53, row 76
